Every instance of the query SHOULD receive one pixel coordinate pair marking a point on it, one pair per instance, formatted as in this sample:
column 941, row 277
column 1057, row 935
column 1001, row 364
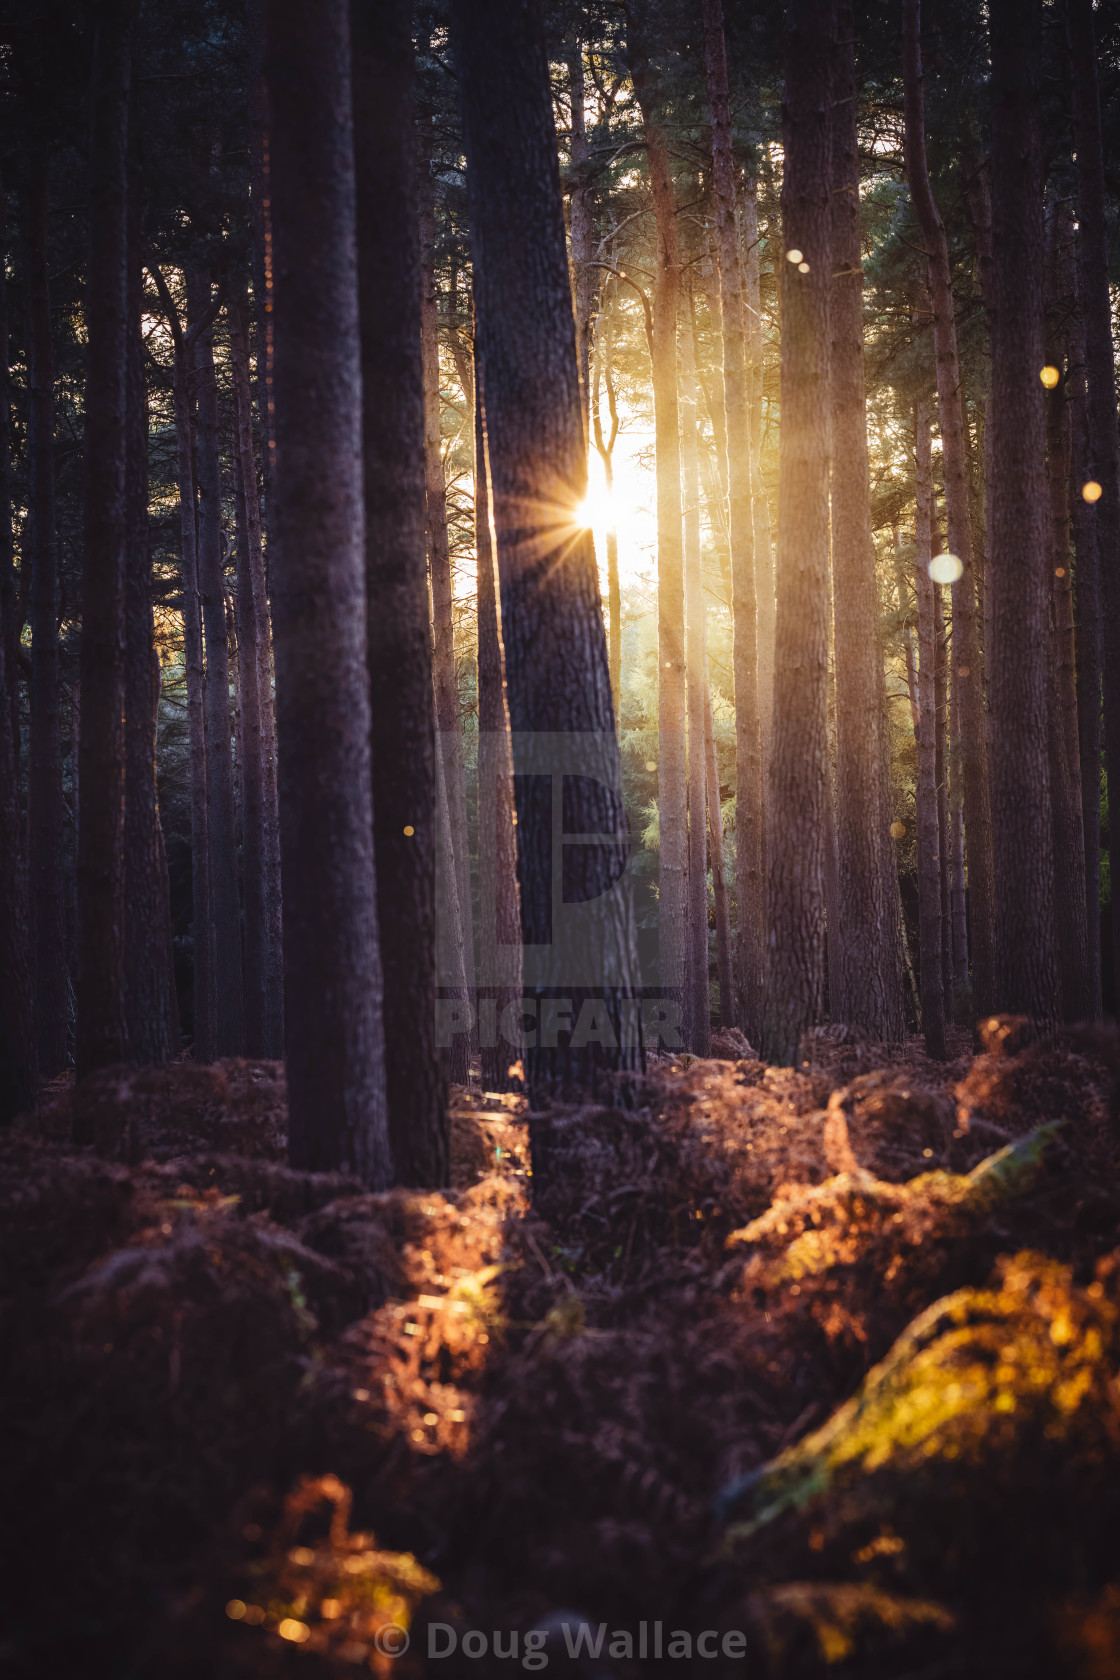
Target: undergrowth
column 826, row 1357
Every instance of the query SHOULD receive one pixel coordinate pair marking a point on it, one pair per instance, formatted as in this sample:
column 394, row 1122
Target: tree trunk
column 929, row 842
column 332, row 969
column 1017, row 547
column 202, row 1048
column 260, row 264
column 1070, row 916
column 499, row 929
column 719, row 882
column 604, row 352
column 18, row 1070
column 967, row 674
column 799, row 765
column 400, row 642
column 582, row 221
column 152, row 1011
column 229, row 1008
column 558, row 683
column 264, row 969
column 448, row 717
column 700, row 1023
column 941, row 770
column 672, row 796
column 45, row 806
column 958, row 895
column 1104, row 439
column 749, row 803
column 1087, row 587
column 102, row 1027
column 763, row 546
column 870, row 956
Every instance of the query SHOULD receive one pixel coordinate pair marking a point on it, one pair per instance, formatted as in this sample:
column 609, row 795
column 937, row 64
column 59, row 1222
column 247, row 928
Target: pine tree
column 967, row 676
column 1017, row 572
column 332, row 969
column 869, row 959
column 101, row 1026
column 798, row 767
column 399, row 637
column 552, row 623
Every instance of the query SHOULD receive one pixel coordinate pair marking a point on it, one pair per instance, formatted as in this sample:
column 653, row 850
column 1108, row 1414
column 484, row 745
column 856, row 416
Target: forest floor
column 824, row 1361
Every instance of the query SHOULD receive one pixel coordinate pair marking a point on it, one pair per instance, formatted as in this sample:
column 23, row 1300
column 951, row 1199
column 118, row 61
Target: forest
column 559, row 694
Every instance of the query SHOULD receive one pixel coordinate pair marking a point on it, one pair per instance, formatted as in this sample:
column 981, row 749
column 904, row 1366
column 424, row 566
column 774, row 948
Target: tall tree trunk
column 749, row 802
column 202, row 921
column 499, row 912
column 45, row 756
column 958, row 895
column 18, row 1069
column 672, row 786
column 260, row 249
column 719, row 882
column 968, row 677
column 1104, row 438
column 799, row 765
column 332, row 969
column 604, row 371
column 229, row 1008
column 264, row 971
column 1017, row 550
column 448, row 716
column 870, row 956
column 763, row 545
column 1087, row 587
column 152, row 1011
column 940, row 718
column 400, row 643
column 101, row 1026
column 552, row 622
column 1070, row 915
column 929, row 842
column 696, row 649
column 582, row 220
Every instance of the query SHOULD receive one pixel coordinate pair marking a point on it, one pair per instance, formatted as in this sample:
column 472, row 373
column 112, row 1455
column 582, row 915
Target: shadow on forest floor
column 825, row 1361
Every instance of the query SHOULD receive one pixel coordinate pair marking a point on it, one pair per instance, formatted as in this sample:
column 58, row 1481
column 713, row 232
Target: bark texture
column 101, row 1026
column 967, row 674
column 332, row 968
column 400, row 646
column 1017, row 574
column 798, row 767
column 552, row 623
